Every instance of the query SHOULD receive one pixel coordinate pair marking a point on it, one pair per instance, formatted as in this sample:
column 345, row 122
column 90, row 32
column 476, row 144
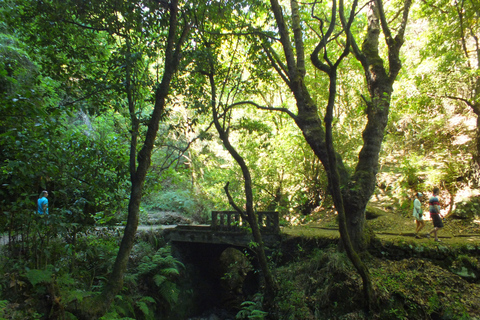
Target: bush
column 184, row 202
column 467, row 209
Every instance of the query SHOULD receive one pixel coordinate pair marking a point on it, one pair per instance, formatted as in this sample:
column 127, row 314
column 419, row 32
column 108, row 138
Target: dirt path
column 392, row 227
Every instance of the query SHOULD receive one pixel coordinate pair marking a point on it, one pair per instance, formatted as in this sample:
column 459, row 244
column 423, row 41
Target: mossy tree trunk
column 330, row 68
column 96, row 307
column 350, row 193
column 358, row 187
column 380, row 79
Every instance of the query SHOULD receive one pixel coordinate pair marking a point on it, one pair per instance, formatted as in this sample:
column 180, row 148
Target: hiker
column 42, row 203
column 434, row 208
column 418, row 213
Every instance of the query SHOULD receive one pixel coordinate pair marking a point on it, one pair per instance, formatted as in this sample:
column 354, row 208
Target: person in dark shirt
column 434, row 208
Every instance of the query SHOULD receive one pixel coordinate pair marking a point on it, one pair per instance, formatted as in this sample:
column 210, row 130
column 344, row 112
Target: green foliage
column 3, row 306
column 181, row 201
column 252, row 309
column 325, row 283
column 113, row 315
column 467, row 208
column 82, row 166
column 65, row 127
column 94, row 256
column 434, row 303
column 410, row 172
column 98, row 155
column 291, row 302
column 144, row 305
column 160, row 295
column 8, row 312
column 123, row 306
column 39, row 276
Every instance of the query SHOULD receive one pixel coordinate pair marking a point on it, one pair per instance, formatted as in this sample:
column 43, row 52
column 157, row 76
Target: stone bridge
column 221, row 264
column 227, row 228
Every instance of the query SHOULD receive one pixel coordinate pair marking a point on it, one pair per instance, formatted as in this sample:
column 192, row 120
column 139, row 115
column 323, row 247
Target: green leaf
column 159, row 279
column 170, row 272
column 36, row 276
column 145, row 309
column 148, row 299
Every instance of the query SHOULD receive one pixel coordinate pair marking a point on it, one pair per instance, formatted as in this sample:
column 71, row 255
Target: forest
column 140, row 115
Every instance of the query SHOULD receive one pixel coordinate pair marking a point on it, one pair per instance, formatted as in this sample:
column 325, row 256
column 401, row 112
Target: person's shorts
column 437, row 221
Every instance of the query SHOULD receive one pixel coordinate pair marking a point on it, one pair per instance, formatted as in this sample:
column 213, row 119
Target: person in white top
column 418, row 213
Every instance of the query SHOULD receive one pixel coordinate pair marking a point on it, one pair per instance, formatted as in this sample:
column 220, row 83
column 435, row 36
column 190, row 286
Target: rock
column 234, row 266
column 465, row 273
column 467, row 208
column 166, row 218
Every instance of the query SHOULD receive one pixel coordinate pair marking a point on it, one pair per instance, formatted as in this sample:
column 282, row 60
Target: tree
column 358, row 187
column 124, row 27
column 176, row 31
column 350, row 193
column 134, row 34
column 249, row 213
column 220, row 61
column 452, row 39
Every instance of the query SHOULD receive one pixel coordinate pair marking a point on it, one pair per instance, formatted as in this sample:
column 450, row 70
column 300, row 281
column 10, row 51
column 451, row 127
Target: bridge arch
column 205, row 249
column 221, row 275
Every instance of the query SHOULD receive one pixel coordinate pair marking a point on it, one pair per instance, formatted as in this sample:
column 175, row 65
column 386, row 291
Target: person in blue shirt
column 42, row 203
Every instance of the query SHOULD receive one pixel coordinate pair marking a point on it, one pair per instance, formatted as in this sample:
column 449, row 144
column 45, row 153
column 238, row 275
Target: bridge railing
column 268, row 221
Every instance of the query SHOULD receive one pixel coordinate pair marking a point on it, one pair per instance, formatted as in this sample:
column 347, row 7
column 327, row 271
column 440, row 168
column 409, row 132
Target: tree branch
column 322, row 45
column 284, row 38
column 233, row 204
column 353, row 44
column 298, row 37
column 383, row 21
column 276, row 63
column 285, row 110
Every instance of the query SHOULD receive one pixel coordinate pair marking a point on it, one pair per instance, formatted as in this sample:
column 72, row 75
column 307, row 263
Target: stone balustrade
column 231, row 221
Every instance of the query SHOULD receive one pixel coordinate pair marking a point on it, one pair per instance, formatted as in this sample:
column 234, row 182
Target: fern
column 145, row 308
column 159, row 279
column 148, row 299
column 159, row 273
column 170, row 272
column 131, row 278
column 36, row 276
column 123, row 306
column 146, row 266
column 169, row 292
column 3, row 306
column 252, row 309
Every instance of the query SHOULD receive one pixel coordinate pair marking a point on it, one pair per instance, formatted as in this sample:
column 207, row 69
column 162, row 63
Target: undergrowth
column 324, row 285
column 69, row 273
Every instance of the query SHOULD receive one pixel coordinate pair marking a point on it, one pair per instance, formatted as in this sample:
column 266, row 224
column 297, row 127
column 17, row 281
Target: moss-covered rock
column 468, row 209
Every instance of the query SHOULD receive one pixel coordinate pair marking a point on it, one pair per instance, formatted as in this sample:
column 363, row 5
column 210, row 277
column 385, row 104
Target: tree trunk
column 474, row 172
column 94, row 308
column 357, row 189
column 271, row 286
column 475, row 169
column 330, row 69
column 380, row 87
